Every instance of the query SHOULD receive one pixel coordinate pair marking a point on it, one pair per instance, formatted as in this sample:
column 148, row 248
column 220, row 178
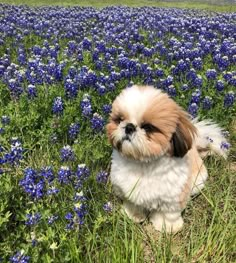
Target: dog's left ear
column 182, row 139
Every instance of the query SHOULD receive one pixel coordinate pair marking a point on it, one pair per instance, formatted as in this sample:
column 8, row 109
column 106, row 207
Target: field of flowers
column 60, row 69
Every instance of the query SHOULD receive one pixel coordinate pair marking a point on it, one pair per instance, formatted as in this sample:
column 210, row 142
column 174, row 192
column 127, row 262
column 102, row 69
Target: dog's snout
column 130, row 128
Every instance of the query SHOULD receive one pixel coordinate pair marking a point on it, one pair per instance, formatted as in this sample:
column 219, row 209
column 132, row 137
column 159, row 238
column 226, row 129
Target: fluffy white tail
column 210, row 138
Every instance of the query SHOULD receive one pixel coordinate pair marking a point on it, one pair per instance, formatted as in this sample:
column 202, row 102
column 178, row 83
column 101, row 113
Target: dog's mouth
column 119, row 144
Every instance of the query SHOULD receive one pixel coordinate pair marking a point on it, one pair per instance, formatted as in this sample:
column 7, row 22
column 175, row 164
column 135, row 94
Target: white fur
column 155, row 185
column 210, row 137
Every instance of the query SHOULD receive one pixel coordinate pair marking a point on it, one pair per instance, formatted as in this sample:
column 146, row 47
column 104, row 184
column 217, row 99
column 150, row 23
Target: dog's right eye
column 117, row 119
column 149, row 128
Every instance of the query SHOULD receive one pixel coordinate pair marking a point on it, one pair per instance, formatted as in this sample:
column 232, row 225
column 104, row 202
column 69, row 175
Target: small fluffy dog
column 156, row 161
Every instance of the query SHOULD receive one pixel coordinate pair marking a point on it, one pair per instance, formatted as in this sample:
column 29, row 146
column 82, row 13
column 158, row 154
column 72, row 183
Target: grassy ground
column 180, row 4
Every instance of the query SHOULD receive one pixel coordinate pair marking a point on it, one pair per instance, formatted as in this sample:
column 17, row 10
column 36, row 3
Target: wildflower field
column 60, row 70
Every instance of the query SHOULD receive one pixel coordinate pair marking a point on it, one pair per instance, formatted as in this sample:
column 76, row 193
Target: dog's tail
column 210, row 138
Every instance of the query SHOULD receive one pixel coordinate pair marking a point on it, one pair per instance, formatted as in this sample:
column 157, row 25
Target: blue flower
column 64, row 175
column 5, row 120
column 225, row 145
column 102, row 177
column 207, row 103
column 32, row 91
column 229, row 99
column 16, row 153
column 107, row 207
column 52, row 219
column 19, row 257
column 97, row 122
column 82, row 172
column 193, row 109
column 196, row 96
column 211, row 74
column 73, row 130
column 106, row 108
column 47, row 173
column 33, row 219
column 67, row 154
column 58, row 106
column 219, row 85
column 86, row 106
column 32, row 183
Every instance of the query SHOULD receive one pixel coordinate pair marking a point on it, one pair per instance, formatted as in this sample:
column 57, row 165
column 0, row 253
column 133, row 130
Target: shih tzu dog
column 156, row 160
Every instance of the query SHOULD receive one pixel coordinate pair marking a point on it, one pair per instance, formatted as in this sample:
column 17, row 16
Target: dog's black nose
column 130, row 128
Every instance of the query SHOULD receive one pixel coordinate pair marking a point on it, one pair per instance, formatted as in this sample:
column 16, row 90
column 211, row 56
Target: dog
column 157, row 155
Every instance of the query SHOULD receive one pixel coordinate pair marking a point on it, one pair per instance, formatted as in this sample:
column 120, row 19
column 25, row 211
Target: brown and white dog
column 156, row 160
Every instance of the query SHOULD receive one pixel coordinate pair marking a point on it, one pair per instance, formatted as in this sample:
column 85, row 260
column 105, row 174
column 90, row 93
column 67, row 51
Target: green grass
column 134, row 3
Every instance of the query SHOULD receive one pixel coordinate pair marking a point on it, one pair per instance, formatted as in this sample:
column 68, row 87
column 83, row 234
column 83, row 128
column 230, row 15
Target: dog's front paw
column 134, row 212
column 168, row 222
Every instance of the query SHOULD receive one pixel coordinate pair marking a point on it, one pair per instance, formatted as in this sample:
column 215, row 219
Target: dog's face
column 145, row 124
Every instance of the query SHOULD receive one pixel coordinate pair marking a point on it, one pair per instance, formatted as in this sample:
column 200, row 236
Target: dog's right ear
column 182, row 138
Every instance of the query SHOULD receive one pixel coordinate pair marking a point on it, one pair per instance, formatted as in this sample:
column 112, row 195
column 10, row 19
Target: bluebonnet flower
column 185, row 87
column 87, row 44
column 191, row 75
column 102, row 177
column 71, row 88
column 19, row 257
column 58, row 106
column 32, row 183
column 101, row 89
column 225, row 145
column 80, row 210
column 67, row 154
column 52, row 191
column 86, row 106
column 229, row 99
column 70, row 219
column 106, row 108
column 227, row 76
column 82, row 172
column 5, row 120
column 159, row 73
column 107, row 207
column 32, row 91
column 52, row 219
column 73, row 130
column 16, row 153
column 79, row 197
column 47, row 173
column 2, row 130
column 233, row 81
column 196, row 96
column 219, row 85
column 171, row 91
column 207, row 103
column 211, row 74
column 34, row 242
column 197, row 81
column 64, row 175
column 32, row 219
column 193, row 109
column 197, row 63
column 69, row 216
column 97, row 122
column 223, row 62
column 182, row 66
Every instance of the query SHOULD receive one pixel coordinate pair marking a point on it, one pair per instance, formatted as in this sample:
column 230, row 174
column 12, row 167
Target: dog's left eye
column 149, row 128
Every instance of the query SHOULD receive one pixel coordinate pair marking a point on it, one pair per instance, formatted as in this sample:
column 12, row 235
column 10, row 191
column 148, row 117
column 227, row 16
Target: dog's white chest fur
column 155, row 185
